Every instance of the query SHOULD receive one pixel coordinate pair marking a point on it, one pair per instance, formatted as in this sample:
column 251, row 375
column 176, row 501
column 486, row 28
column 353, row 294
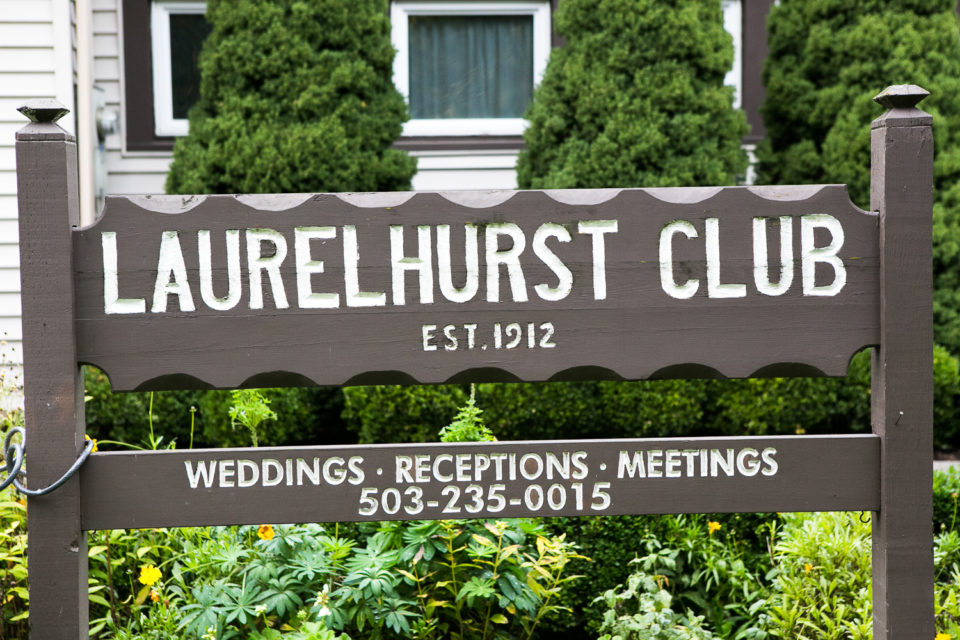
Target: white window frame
column 160, row 12
column 733, row 23
column 402, row 10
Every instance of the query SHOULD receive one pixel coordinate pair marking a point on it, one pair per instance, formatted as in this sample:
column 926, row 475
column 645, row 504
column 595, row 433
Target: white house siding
column 36, row 61
column 128, row 172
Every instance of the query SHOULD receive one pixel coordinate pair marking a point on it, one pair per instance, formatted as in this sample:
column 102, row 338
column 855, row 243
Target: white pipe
column 86, row 129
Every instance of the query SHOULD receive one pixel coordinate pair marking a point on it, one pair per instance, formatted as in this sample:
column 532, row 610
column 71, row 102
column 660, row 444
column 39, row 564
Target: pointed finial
column 901, row 96
column 44, row 110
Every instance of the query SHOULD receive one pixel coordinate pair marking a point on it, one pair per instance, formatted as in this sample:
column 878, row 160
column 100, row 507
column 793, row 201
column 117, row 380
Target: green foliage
column 249, row 409
column 295, row 97
column 635, row 98
column 641, row 610
column 14, row 598
column 827, row 59
column 736, row 551
column 823, row 578
column 946, row 557
column 304, row 416
column 946, row 490
column 646, row 409
column 467, row 426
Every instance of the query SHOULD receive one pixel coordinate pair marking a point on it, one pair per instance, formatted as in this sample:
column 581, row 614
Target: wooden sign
column 386, row 288
column 338, row 289
column 482, row 480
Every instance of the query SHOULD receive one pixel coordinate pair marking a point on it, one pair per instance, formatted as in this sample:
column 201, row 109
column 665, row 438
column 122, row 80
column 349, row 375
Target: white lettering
column 232, row 239
column 472, row 264
column 307, row 266
column 422, row 264
column 549, row 258
column 112, row 303
column 714, row 288
column 351, row 277
column 667, row 282
column 811, row 255
column 257, row 262
column 761, row 269
column 508, row 257
column 596, row 229
column 170, row 264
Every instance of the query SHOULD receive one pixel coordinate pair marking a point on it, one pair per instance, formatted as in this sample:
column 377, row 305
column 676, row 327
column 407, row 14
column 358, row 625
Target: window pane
column 187, row 33
column 470, row 66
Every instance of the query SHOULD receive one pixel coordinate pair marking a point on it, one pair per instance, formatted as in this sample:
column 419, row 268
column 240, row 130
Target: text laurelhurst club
column 492, row 273
column 472, row 482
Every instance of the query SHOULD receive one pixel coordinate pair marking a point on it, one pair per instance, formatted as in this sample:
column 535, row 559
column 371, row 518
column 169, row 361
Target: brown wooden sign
column 482, row 480
column 337, row 289
column 381, row 288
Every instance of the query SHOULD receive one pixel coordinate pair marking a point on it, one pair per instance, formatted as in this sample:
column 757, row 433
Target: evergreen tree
column 635, row 99
column 828, row 58
column 295, row 97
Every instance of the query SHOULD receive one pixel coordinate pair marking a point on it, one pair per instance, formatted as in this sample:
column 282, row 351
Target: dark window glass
column 187, row 33
column 470, row 66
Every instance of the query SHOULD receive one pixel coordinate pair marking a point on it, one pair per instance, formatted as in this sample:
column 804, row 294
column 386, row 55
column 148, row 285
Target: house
column 126, row 70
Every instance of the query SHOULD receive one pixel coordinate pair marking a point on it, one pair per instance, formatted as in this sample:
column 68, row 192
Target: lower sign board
column 480, row 480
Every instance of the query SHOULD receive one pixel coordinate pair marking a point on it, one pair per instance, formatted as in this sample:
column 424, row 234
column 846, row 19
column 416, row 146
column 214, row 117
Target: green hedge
column 304, row 416
column 654, row 408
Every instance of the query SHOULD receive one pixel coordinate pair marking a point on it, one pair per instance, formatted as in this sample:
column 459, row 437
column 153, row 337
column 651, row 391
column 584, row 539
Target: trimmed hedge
column 295, row 97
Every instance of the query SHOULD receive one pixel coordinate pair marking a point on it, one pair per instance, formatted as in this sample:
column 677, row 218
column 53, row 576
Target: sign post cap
column 901, row 96
column 43, row 110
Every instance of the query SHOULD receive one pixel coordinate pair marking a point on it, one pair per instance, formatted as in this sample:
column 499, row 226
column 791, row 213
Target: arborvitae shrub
column 295, row 97
column 828, row 58
column 635, row 98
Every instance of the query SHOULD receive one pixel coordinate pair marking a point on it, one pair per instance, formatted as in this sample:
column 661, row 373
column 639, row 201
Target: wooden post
column 902, row 396
column 53, row 384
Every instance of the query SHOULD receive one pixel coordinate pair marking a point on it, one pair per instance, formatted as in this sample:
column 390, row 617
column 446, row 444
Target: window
column 177, row 32
column 469, row 68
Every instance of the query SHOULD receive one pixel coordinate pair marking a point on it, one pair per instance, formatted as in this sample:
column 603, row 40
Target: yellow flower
column 807, row 567
column 94, row 442
column 149, row 575
column 942, row 636
column 265, row 532
column 154, row 595
column 713, row 527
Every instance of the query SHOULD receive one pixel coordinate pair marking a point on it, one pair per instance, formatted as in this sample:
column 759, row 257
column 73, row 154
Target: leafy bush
column 737, row 540
column 651, row 408
column 304, row 416
column 827, row 59
column 635, row 98
column 294, row 97
column 823, row 578
column 946, row 489
column 642, row 611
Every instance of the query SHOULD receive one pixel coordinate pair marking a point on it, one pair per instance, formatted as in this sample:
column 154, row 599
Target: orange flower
column 807, row 567
column 265, row 532
column 713, row 527
column 154, row 595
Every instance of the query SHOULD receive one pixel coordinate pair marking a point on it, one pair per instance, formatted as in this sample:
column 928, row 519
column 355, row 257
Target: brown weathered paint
column 902, row 398
column 637, row 332
column 53, row 386
column 813, row 473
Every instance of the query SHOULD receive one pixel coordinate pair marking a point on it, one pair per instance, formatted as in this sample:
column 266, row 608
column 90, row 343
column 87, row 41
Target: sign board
column 338, row 289
column 386, row 288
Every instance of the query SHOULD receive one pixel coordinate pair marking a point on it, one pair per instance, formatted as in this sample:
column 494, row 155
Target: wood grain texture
column 902, row 397
column 53, row 386
column 637, row 331
column 153, row 489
